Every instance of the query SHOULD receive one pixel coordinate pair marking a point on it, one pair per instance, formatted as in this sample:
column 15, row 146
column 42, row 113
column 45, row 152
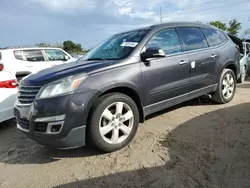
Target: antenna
column 161, row 14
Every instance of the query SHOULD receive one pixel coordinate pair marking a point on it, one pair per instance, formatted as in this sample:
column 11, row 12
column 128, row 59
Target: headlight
column 61, row 87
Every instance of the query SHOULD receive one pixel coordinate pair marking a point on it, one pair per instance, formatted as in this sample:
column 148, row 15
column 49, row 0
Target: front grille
column 27, row 94
column 24, row 123
column 41, row 127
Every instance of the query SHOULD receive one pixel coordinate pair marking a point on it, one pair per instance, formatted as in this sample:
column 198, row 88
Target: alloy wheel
column 228, row 86
column 116, row 123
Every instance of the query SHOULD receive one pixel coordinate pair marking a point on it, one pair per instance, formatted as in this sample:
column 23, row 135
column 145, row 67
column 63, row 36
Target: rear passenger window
column 33, row 55
column 214, row 37
column 18, row 54
column 193, row 38
column 167, row 40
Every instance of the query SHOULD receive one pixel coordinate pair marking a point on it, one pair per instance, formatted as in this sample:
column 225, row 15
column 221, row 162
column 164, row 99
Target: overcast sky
column 27, row 22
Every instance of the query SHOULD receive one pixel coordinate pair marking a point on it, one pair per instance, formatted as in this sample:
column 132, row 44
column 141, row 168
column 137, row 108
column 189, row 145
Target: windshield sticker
column 129, row 44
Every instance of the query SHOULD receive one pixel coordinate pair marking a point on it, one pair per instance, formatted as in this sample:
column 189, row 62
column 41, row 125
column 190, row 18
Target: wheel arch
column 230, row 65
column 124, row 89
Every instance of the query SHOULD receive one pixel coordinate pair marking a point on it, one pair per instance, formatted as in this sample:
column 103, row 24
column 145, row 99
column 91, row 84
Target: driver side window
column 167, row 40
column 55, row 54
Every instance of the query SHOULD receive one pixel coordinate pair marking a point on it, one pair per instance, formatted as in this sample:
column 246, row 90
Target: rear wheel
column 114, row 122
column 226, row 87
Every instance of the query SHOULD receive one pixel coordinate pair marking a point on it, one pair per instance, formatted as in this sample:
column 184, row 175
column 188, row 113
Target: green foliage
column 68, row 46
column 71, row 47
column 234, row 27
column 44, row 45
column 220, row 25
column 246, row 34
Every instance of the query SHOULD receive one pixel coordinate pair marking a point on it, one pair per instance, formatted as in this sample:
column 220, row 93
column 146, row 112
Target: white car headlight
column 61, row 87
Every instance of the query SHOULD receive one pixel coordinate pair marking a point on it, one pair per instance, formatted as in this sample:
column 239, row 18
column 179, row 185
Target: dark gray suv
column 102, row 97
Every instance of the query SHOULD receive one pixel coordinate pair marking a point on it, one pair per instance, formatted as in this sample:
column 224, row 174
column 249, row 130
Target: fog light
column 55, row 128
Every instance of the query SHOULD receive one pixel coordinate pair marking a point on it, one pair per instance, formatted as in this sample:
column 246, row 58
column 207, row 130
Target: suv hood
column 61, row 71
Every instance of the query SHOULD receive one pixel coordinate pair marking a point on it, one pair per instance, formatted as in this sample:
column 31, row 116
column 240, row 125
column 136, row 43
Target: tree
column 220, row 25
column 246, row 34
column 43, row 44
column 71, row 47
column 234, row 27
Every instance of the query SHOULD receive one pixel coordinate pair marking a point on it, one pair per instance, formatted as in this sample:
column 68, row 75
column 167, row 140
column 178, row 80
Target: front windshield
column 116, row 47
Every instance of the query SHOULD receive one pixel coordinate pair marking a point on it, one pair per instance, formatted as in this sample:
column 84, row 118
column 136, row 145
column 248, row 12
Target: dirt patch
column 196, row 144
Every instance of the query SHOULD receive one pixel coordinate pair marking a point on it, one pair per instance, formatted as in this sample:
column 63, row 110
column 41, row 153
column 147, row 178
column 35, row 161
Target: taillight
column 1, row 67
column 8, row 84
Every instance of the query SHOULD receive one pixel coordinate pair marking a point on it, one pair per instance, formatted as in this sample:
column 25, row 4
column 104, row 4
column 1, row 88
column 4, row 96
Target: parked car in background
column 245, row 57
column 8, row 93
column 105, row 94
column 24, row 61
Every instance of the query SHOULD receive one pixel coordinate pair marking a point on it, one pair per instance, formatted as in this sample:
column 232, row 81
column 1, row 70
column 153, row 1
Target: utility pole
column 161, row 14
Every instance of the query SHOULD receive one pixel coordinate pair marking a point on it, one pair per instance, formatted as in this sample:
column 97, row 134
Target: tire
column 224, row 85
column 100, row 122
column 243, row 75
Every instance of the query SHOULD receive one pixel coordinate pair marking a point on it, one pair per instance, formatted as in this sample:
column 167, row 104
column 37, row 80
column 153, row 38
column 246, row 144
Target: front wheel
column 226, row 87
column 113, row 122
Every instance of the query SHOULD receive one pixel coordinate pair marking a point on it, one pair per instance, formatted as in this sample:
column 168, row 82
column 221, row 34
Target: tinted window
column 117, row 47
column 214, row 37
column 18, row 54
column 33, row 55
column 54, row 55
column 193, row 38
column 167, row 40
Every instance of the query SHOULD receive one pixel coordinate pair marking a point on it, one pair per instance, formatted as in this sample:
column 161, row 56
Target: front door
column 167, row 77
column 55, row 57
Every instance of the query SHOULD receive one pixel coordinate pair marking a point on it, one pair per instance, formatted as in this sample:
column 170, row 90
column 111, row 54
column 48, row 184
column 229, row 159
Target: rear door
column 202, row 58
column 30, row 60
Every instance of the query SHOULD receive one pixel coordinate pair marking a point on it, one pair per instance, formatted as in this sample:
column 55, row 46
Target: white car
column 8, row 93
column 245, row 61
column 23, row 61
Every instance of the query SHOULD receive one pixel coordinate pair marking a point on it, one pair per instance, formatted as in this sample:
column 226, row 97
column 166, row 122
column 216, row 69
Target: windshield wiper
column 93, row 59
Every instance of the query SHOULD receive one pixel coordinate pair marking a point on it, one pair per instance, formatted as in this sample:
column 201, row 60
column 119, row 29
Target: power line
column 202, row 4
column 214, row 7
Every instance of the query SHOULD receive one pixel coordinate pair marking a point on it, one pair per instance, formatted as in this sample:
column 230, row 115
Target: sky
column 89, row 22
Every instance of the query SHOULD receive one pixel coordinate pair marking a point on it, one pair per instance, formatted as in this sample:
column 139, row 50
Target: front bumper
column 58, row 122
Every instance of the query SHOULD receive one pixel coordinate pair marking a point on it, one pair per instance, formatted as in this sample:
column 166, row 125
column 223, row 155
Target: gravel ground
column 196, row 144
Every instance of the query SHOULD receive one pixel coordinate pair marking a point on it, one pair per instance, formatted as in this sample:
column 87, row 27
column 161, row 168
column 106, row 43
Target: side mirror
column 152, row 52
column 66, row 58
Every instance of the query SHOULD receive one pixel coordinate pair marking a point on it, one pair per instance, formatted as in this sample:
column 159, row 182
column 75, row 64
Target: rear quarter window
column 18, row 54
column 214, row 37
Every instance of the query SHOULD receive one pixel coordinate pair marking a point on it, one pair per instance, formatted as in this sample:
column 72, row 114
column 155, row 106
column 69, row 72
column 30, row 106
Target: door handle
column 182, row 62
column 213, row 55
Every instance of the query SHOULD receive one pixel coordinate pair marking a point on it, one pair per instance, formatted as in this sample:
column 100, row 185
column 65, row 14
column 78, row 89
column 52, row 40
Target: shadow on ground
column 212, row 150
